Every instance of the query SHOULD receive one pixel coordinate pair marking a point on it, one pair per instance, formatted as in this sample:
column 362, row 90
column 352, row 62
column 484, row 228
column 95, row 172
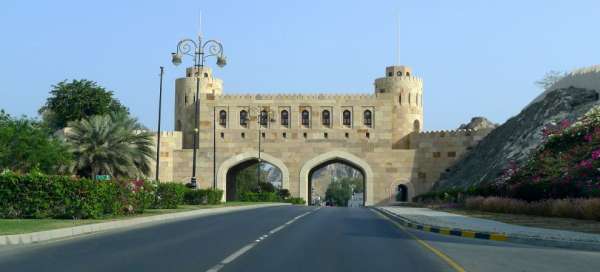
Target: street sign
column 102, row 177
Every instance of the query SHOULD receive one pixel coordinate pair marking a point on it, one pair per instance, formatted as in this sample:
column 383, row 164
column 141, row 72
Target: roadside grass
column 559, row 223
column 19, row 226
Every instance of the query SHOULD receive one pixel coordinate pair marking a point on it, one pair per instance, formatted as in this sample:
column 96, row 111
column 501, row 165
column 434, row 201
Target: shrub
column 296, row 200
column 203, row 196
column 36, row 195
column 283, row 193
column 214, row 196
column 259, row 197
column 169, row 195
column 579, row 208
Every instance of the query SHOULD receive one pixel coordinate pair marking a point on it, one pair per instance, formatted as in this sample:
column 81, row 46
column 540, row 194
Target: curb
column 41, row 236
column 501, row 237
column 446, row 231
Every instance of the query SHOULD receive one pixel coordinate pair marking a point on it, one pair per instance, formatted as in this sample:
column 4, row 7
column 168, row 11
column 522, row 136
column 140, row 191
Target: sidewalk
column 512, row 233
column 36, row 237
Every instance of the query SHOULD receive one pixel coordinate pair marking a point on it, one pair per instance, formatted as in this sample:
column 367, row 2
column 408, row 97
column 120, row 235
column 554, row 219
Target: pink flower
column 588, row 138
column 596, row 154
column 586, row 164
column 565, row 123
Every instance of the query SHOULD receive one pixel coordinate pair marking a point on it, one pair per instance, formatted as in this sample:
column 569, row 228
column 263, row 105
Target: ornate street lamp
column 201, row 51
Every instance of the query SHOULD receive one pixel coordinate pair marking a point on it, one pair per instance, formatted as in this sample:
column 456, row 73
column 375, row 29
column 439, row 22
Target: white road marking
column 237, row 254
column 244, row 249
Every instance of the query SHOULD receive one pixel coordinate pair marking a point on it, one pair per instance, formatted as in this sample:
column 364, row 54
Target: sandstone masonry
column 379, row 134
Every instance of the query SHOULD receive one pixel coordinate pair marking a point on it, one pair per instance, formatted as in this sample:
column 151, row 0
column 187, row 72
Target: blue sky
column 476, row 57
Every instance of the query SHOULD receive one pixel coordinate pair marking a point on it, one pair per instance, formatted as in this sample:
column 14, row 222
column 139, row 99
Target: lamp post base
column 193, row 184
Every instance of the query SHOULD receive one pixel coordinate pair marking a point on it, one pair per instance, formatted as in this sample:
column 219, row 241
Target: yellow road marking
column 498, row 237
column 440, row 254
column 469, row 234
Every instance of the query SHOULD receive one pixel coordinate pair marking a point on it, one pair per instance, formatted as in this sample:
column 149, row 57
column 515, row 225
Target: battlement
column 452, row 133
column 299, row 97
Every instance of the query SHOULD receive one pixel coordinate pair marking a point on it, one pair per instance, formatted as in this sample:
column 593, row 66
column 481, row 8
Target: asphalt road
column 287, row 238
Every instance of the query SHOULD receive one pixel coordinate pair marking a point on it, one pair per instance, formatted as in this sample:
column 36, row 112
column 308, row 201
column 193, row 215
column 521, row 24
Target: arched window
column 305, row 118
column 409, row 100
column 368, row 118
column 223, row 118
column 400, row 99
column 407, row 73
column 264, row 118
column 347, row 118
column 285, row 118
column 243, row 118
column 416, row 126
column 326, row 118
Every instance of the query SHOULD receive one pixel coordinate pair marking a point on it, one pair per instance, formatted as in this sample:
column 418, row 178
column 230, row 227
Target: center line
column 244, row 249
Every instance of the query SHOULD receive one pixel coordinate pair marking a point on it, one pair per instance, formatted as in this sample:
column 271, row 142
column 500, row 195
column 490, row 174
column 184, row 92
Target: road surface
column 287, row 238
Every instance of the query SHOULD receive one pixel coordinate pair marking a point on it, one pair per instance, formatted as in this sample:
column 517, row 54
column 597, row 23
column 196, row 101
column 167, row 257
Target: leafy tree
column 78, row 99
column 549, row 79
column 27, row 145
column 113, row 145
column 338, row 193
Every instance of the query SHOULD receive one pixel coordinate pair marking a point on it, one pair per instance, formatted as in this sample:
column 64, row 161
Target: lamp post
column 201, row 50
column 158, row 134
column 262, row 114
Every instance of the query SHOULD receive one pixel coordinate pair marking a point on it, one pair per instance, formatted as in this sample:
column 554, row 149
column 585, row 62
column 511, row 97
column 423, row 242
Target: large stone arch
column 340, row 156
column 244, row 157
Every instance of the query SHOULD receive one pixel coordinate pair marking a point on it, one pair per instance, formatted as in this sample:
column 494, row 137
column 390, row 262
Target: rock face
column 478, row 123
column 569, row 98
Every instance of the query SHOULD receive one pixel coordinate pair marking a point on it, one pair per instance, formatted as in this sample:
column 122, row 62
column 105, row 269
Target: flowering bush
column 566, row 165
column 580, row 208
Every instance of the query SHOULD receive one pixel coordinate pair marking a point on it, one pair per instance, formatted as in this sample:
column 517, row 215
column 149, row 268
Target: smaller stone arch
column 244, row 157
column 407, row 186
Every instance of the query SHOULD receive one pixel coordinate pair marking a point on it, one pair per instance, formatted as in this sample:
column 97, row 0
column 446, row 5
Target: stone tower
column 406, row 91
column 185, row 96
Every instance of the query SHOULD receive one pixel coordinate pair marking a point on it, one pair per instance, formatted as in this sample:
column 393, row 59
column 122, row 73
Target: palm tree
column 113, row 145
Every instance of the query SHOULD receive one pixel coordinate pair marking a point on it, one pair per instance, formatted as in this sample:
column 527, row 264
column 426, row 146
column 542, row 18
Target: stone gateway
column 379, row 134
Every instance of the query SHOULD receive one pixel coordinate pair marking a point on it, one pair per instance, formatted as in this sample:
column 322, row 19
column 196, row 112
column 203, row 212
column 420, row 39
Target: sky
column 477, row 58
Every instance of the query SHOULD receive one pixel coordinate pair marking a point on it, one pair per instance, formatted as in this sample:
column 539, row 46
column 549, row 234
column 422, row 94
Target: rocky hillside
column 478, row 123
column 568, row 98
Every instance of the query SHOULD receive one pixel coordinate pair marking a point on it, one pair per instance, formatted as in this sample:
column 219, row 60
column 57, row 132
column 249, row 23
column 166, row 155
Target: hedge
column 170, row 195
column 203, row 196
column 36, row 195
column 259, row 197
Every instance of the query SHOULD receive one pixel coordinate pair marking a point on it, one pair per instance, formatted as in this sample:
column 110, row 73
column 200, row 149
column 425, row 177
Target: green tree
column 338, row 193
column 25, row 145
column 113, row 145
column 78, row 99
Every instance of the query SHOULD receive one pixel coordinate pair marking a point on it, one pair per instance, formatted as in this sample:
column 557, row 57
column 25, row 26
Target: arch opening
column 252, row 176
column 402, row 193
column 354, row 161
column 336, row 183
column 240, row 161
